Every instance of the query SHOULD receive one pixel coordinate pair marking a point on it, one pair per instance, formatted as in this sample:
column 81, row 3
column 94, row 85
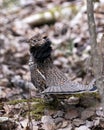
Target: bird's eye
column 44, row 37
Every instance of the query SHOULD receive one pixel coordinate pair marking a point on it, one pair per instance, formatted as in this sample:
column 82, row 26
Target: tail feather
column 71, row 89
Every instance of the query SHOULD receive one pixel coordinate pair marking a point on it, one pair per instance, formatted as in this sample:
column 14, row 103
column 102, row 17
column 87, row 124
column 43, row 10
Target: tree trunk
column 97, row 53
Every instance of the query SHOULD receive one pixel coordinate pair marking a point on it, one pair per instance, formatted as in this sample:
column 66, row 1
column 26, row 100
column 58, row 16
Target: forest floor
column 20, row 108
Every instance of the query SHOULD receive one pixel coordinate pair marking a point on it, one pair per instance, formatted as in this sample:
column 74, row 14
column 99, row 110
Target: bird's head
column 40, row 46
column 38, row 40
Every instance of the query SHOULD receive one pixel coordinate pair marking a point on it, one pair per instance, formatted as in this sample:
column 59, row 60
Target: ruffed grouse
column 45, row 75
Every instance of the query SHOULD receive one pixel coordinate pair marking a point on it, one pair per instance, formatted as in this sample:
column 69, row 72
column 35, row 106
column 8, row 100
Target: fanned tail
column 72, row 88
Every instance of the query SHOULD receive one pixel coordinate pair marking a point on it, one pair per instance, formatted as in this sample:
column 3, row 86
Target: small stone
column 73, row 100
column 71, row 114
column 64, row 124
column 82, row 128
column 58, row 120
column 99, row 112
column 48, row 123
column 102, row 123
column 96, row 121
column 78, row 122
column 89, row 124
column 87, row 113
column 59, row 114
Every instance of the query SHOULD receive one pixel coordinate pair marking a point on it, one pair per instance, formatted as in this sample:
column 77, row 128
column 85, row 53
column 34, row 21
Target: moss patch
column 14, row 102
column 34, row 106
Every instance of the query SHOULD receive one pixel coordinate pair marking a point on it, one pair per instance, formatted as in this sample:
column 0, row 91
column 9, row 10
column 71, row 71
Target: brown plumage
column 45, row 75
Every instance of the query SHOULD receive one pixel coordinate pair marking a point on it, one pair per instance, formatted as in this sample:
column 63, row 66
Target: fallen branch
column 50, row 15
